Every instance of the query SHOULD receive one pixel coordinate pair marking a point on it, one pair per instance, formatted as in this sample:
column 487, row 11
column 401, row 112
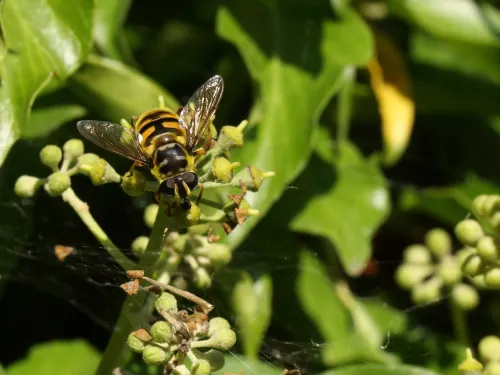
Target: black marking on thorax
column 170, row 157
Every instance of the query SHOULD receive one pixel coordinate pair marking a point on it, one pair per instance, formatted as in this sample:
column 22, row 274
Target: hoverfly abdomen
column 171, row 158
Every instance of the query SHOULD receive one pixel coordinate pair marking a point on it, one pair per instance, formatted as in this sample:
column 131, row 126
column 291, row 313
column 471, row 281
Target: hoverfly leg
column 198, row 153
column 199, row 195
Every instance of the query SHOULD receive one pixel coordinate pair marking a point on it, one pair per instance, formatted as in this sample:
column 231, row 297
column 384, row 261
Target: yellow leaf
column 392, row 87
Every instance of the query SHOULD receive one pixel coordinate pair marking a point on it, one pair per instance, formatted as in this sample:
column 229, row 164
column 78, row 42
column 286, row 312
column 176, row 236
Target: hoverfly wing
column 196, row 115
column 113, row 137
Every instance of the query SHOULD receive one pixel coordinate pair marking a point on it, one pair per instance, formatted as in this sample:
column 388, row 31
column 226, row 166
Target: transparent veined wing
column 196, row 115
column 113, row 137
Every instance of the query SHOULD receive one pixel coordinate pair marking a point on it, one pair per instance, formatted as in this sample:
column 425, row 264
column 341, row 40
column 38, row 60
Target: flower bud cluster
column 180, row 335
column 65, row 163
column 489, row 351
column 431, row 271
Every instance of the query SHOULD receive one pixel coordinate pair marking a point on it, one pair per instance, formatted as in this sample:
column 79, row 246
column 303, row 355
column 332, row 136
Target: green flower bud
column 222, row 169
column 215, row 358
column 216, row 324
column 219, row 254
column 492, row 277
column 489, row 349
column 439, row 242
column 51, row 156
column 469, row 232
column 478, row 205
column 135, row 343
column 417, row 254
column 58, row 183
column 253, row 177
column 487, row 249
column 86, row 161
column 135, row 184
column 492, row 368
column 464, row 253
column 479, row 282
column 491, row 204
column 181, row 218
column 473, row 265
column 201, row 367
column 179, row 244
column 470, row 366
column 166, row 302
column 409, row 275
column 154, row 355
column 495, row 222
column 140, row 244
column 181, row 370
column 223, row 339
column 102, row 173
column 465, row 296
column 427, row 292
column 449, row 271
column 73, row 149
column 26, row 186
column 150, row 214
column 161, row 332
column 202, row 279
column 231, row 137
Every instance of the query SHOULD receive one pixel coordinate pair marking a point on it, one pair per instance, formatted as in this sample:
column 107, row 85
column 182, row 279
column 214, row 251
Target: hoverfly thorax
column 164, row 141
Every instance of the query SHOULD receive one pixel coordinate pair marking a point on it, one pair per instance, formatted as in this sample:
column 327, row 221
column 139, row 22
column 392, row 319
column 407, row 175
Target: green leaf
column 116, row 91
column 58, row 357
column 251, row 303
column 43, row 40
column 44, row 120
column 236, row 364
column 373, row 369
column 351, row 210
column 465, row 58
column 294, row 86
column 109, row 36
column 462, row 20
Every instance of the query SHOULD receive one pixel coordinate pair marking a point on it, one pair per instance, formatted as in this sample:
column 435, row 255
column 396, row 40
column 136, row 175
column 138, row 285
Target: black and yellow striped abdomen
column 164, row 142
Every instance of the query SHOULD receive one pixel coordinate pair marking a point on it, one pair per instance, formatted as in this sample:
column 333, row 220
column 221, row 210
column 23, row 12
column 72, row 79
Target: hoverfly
column 164, row 141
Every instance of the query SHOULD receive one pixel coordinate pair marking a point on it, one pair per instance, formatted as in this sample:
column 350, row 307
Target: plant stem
column 82, row 210
column 133, row 311
column 459, row 320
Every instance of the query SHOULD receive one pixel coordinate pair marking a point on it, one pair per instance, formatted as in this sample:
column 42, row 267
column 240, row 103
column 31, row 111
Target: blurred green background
column 352, row 188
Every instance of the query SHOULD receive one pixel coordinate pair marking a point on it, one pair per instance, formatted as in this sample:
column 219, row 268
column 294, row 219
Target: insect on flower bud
column 102, row 173
column 222, row 169
column 202, row 279
column 150, row 214
column 166, row 302
column 215, row 358
column 216, row 324
column 135, row 343
column 223, row 339
column 51, row 156
column 465, row 296
column 26, row 186
column 161, row 332
column 201, row 367
column 489, row 349
column 439, row 242
column 58, row 183
column 139, row 245
column 469, row 231
column 135, row 184
column 154, row 355
column 73, row 149
column 417, row 254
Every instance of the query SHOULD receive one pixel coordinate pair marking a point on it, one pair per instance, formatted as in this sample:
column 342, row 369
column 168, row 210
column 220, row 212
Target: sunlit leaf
column 351, row 210
column 251, row 302
column 44, row 41
column 75, row 357
column 373, row 369
column 463, row 20
column 293, row 86
column 46, row 119
column 236, row 364
column 110, row 16
column 116, row 91
column 391, row 83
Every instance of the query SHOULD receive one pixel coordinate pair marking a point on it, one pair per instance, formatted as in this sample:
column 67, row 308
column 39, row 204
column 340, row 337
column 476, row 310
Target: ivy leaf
column 374, row 369
column 251, row 303
column 294, row 84
column 116, row 91
column 45, row 41
column 74, row 357
column 236, row 364
column 46, row 119
column 109, row 37
column 351, row 210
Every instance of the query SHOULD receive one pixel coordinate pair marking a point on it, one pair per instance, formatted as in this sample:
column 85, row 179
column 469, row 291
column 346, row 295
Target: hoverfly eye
column 167, row 187
column 190, row 179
